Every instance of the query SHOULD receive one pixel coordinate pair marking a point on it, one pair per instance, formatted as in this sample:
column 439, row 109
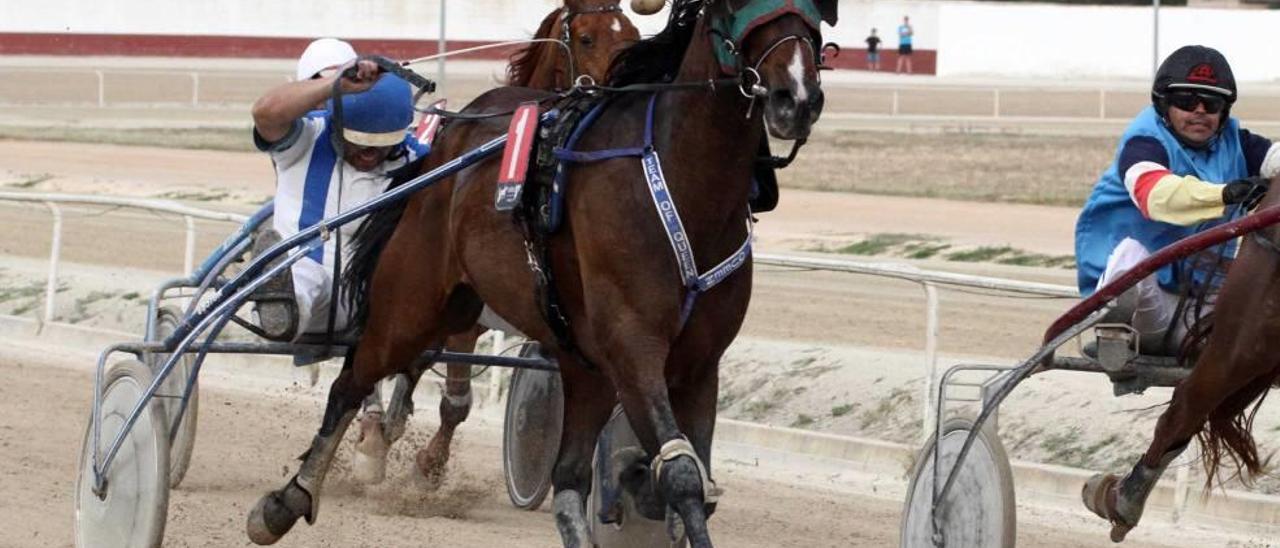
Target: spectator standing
column 905, row 35
column 873, row 51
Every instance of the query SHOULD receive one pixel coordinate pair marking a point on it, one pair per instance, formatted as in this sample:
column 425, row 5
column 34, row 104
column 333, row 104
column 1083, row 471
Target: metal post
column 195, row 90
column 995, row 102
column 102, row 87
column 1155, row 36
column 440, row 47
column 1102, row 104
column 51, row 287
column 495, row 377
column 189, row 259
column 930, row 359
column 894, row 109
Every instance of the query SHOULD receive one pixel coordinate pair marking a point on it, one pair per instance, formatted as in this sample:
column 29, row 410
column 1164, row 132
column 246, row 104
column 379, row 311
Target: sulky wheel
column 169, row 398
column 617, row 449
column 131, row 511
column 531, row 433
column 979, row 510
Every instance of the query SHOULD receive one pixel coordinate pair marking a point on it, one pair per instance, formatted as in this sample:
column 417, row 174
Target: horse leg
column 454, row 407
column 369, row 461
column 1121, row 500
column 679, row 472
column 587, row 405
column 277, row 511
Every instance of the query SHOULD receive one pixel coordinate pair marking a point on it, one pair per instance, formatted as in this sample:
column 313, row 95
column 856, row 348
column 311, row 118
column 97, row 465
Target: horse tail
column 370, row 239
column 1229, row 432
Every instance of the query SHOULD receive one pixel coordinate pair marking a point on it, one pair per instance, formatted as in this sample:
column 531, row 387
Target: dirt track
column 251, row 428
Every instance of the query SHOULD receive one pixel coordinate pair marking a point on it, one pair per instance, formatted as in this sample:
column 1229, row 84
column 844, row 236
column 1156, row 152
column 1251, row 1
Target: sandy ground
column 240, row 453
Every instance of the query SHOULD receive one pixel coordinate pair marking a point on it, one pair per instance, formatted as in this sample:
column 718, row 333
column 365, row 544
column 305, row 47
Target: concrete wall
column 971, row 38
column 1096, row 42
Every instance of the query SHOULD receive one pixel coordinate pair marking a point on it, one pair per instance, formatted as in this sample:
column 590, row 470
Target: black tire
column 531, row 433
column 981, row 509
column 169, row 398
column 136, row 504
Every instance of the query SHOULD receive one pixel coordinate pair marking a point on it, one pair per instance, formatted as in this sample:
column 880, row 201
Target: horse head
column 775, row 46
column 595, row 31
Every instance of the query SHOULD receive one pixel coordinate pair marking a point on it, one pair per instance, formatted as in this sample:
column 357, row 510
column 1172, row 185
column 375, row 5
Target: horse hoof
column 1118, row 532
column 1094, row 494
column 269, row 520
column 369, row 463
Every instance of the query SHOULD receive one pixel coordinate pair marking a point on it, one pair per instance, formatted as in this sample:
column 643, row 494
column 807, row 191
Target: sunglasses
column 1187, row 100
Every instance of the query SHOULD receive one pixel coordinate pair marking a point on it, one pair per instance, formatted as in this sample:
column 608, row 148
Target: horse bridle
column 566, row 35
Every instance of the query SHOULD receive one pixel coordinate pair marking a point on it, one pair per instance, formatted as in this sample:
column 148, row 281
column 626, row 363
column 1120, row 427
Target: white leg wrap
column 681, row 447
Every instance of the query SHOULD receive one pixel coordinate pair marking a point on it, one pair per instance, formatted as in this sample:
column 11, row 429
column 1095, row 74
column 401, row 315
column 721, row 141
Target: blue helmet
column 379, row 116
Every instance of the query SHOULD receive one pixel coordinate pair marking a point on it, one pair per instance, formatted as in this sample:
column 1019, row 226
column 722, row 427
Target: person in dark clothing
column 873, row 51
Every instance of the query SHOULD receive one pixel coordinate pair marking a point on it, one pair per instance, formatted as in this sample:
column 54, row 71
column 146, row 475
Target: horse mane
column 524, row 61
column 369, row 240
column 658, row 58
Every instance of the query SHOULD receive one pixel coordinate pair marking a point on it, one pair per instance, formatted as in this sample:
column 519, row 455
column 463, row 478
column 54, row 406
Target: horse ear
column 829, row 9
column 647, row 7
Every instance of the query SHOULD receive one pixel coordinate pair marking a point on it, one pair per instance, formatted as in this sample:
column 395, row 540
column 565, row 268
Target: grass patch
column 984, row 254
column 30, row 181
column 756, row 410
column 228, row 139
column 841, row 410
column 802, row 421
column 878, row 244
column 211, row 196
column 921, row 250
column 130, row 296
column 30, row 291
column 920, row 246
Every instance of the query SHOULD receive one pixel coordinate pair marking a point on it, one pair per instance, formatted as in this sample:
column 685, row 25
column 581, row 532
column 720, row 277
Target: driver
column 315, row 181
column 1180, row 168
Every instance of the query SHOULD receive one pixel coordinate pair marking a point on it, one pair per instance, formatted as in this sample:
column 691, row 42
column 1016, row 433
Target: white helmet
column 325, row 53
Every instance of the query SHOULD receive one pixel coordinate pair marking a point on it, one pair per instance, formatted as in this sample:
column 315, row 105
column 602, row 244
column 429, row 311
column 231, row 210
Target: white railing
column 928, row 280
column 96, row 94
column 51, row 201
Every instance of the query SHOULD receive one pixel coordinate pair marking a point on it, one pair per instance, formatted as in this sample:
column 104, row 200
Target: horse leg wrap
column 571, row 519
column 310, row 477
column 455, row 408
column 1132, row 492
column 369, row 462
column 680, row 447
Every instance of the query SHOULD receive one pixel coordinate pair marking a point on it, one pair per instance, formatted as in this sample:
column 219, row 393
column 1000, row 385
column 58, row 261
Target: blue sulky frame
column 212, row 314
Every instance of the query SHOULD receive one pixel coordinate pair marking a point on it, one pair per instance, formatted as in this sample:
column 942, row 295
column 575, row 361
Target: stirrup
column 275, row 307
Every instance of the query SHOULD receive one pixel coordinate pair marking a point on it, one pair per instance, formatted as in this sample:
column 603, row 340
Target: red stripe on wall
column 156, row 45
column 923, row 61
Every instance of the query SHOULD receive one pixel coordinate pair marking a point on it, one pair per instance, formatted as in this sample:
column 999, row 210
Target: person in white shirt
column 318, row 177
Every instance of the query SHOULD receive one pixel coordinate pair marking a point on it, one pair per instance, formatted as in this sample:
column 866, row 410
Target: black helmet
column 1196, row 68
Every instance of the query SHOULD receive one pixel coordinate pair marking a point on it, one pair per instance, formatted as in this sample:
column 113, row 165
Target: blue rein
column 694, row 282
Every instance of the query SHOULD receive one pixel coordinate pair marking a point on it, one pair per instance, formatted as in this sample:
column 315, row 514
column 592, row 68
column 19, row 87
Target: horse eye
column 586, row 40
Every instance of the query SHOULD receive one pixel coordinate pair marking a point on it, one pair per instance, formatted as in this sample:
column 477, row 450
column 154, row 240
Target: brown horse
column 635, row 333
column 1218, row 400
column 588, row 34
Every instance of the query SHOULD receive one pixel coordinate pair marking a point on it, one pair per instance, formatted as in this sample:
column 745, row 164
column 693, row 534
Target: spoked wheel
column 616, row 449
column 531, row 433
column 979, row 510
column 132, row 510
column 169, row 398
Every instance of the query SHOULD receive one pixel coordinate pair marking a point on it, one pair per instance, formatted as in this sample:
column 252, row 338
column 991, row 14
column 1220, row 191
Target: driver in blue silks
column 1180, row 167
